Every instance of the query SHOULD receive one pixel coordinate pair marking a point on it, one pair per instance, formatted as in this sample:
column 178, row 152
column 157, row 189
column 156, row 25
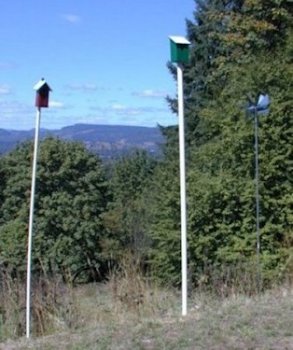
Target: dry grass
column 130, row 313
column 52, row 306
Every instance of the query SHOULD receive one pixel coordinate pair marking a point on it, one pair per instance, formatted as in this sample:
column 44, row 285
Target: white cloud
column 56, row 104
column 125, row 110
column 16, row 115
column 118, row 107
column 133, row 111
column 151, row 93
column 7, row 65
column 85, row 87
column 71, row 18
column 5, row 90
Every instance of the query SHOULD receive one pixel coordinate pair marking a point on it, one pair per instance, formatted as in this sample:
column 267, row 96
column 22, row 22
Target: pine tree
column 232, row 43
column 127, row 216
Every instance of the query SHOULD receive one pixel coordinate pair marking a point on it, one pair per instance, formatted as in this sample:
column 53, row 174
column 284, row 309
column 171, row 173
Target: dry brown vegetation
column 129, row 312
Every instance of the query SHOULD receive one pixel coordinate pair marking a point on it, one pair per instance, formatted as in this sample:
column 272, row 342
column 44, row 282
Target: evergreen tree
column 71, row 195
column 232, row 43
column 128, row 213
column 165, row 253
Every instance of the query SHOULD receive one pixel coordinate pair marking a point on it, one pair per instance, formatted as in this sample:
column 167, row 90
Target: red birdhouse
column 42, row 94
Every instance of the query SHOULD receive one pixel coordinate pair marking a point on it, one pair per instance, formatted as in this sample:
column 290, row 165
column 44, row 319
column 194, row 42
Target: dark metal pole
column 257, row 199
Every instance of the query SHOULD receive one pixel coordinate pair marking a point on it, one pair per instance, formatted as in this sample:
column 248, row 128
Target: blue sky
column 104, row 59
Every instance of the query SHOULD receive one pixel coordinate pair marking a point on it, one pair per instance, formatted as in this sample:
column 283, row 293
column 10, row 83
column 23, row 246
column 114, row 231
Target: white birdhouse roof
column 179, row 40
column 41, row 84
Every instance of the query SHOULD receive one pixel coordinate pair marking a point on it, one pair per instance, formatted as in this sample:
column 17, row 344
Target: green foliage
column 165, row 224
column 232, row 45
column 71, row 194
column 128, row 213
column 238, row 49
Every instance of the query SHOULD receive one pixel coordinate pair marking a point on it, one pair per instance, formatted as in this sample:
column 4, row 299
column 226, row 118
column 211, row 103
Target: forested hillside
column 108, row 141
column 90, row 215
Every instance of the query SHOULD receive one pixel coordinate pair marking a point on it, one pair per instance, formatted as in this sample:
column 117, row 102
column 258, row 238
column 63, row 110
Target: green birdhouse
column 179, row 49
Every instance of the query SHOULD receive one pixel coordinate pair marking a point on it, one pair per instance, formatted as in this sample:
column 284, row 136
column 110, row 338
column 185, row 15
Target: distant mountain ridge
column 106, row 140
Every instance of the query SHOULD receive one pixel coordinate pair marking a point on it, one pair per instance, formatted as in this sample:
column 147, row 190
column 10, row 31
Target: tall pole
column 257, row 199
column 182, row 188
column 31, row 219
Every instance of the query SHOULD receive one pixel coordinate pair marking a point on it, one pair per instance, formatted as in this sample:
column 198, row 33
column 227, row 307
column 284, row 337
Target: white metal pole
column 31, row 219
column 182, row 189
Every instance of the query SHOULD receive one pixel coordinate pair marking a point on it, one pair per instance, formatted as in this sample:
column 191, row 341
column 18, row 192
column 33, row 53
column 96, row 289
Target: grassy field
column 122, row 316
